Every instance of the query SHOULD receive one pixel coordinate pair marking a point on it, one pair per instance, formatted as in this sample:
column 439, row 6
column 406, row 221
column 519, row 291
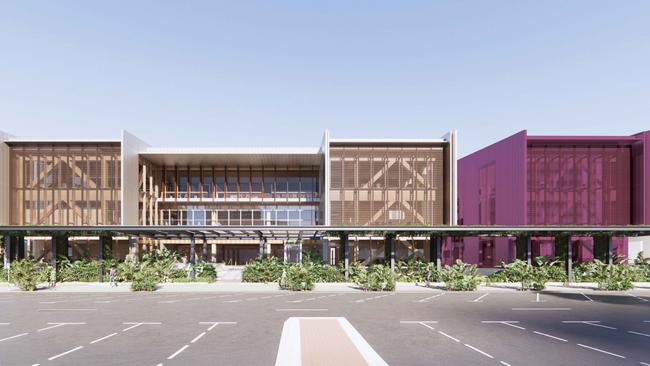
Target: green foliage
column 264, row 270
column 530, row 277
column 325, row 272
column 125, row 270
column 78, row 271
column 460, row 276
column 296, row 277
column 162, row 263
column 204, row 272
column 144, row 279
column 415, row 270
column 376, row 278
column 613, row 277
column 25, row 274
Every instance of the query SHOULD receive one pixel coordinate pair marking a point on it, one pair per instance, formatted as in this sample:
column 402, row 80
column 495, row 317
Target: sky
column 279, row 73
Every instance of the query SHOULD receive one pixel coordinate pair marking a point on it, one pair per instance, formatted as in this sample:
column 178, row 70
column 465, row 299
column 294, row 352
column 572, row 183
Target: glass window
column 256, row 183
column 293, row 184
column 281, row 184
column 207, row 184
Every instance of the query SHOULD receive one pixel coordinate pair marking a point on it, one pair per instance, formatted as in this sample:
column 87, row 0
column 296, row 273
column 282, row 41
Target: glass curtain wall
column 238, row 195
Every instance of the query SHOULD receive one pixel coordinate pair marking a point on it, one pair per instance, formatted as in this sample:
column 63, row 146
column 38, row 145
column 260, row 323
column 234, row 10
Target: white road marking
column 537, row 299
column 638, row 333
column 12, row 337
column 417, row 321
column 103, row 302
column 372, row 298
column 644, row 363
column 135, row 325
column 550, row 336
column 430, row 297
column 168, row 301
column 301, row 310
column 504, row 363
column 480, row 297
column 214, row 324
column 67, row 309
column 542, row 309
column 102, row 338
column 478, row 350
column 65, row 353
column 448, row 336
column 587, row 297
column 640, row 298
column 56, row 325
column 197, row 337
column 4, row 323
column 289, row 349
column 177, row 352
column 504, row 322
column 588, row 322
column 601, row 351
column 231, row 301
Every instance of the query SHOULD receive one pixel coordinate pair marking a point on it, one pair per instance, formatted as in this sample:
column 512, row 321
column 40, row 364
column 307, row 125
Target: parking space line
column 594, row 323
column 587, row 297
column 372, row 298
column 504, row 363
column 214, row 324
column 450, row 337
column 135, row 325
column 478, row 350
column 638, row 333
column 644, row 363
column 541, row 309
column 177, row 352
column 480, row 297
column 65, row 353
column 426, row 299
column 67, row 309
column 307, row 309
column 12, row 337
column 550, row 336
column 56, row 325
column 197, row 337
column 504, row 322
column 102, row 338
column 600, row 350
column 537, row 298
column 640, row 298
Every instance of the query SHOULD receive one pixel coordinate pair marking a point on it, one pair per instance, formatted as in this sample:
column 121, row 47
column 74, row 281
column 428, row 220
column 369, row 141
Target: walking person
column 112, row 274
column 52, row 278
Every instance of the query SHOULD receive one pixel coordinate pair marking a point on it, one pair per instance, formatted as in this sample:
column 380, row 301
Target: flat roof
column 248, row 232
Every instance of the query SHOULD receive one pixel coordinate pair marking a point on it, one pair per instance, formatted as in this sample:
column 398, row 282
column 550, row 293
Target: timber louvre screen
column 386, row 185
column 65, row 184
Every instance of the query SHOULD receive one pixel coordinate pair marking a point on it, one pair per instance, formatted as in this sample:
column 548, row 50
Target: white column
column 326, row 249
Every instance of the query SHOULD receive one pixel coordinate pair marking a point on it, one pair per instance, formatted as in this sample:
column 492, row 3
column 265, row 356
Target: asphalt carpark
column 478, row 328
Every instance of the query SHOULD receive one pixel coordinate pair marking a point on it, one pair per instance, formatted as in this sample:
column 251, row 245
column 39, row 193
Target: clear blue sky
column 276, row 73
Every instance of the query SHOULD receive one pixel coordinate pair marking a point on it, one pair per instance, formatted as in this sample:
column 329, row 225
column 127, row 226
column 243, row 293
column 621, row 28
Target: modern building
column 247, row 201
column 549, row 181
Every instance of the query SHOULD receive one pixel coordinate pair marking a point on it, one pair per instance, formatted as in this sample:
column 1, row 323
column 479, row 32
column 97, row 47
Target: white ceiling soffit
column 233, row 156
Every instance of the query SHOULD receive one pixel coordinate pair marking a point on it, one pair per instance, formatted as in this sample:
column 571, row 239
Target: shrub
column 614, row 277
column 78, row 271
column 460, row 276
column 376, row 278
column 296, row 278
column 24, row 274
column 145, row 279
column 162, row 262
column 414, row 270
column 355, row 271
column 203, row 272
column 263, row 270
column 125, row 270
column 325, row 272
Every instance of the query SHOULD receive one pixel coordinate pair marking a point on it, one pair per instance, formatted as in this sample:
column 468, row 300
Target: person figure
column 52, row 278
column 112, row 274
